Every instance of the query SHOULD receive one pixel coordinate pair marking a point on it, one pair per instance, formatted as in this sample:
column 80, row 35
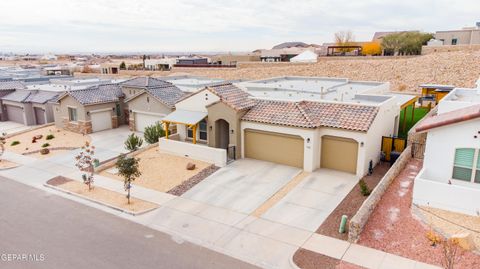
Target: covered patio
column 190, row 125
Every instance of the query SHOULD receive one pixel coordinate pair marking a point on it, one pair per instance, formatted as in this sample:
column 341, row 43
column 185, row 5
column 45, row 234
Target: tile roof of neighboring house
column 310, row 114
column 97, row 94
column 455, row 116
column 233, row 96
column 30, row 96
column 167, row 95
column 145, row 82
column 11, row 85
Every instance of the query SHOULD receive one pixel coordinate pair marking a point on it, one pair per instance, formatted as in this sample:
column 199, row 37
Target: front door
column 222, row 136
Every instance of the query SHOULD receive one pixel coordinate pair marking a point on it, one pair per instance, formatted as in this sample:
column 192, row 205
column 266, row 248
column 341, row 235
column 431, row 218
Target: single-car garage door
column 39, row 115
column 15, row 114
column 274, row 147
column 339, row 153
column 101, row 120
column 143, row 120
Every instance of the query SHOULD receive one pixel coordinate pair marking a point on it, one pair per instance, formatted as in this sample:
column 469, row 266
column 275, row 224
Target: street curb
column 100, row 202
column 292, row 263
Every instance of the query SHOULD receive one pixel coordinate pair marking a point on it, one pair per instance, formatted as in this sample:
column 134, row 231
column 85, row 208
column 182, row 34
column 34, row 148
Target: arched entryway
column 222, row 136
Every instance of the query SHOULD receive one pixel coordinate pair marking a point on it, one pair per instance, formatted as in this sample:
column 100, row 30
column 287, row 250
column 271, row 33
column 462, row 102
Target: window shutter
column 464, row 157
column 463, row 164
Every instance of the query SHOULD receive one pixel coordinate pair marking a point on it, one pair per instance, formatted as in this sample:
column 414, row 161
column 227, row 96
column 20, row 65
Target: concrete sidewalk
column 359, row 255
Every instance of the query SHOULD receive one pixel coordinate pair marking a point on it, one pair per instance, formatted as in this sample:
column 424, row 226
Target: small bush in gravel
column 133, row 142
column 44, row 151
column 364, row 188
column 14, row 143
column 50, row 137
column 153, row 133
column 45, row 145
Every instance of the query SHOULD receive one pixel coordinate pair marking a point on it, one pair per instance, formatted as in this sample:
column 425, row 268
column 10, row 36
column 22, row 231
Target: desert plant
column 344, row 38
column 45, row 145
column 153, row 133
column 84, row 161
column 50, row 137
column 364, row 188
column 123, row 66
column 14, row 143
column 405, row 43
column 451, row 250
column 371, row 48
column 128, row 168
column 133, row 142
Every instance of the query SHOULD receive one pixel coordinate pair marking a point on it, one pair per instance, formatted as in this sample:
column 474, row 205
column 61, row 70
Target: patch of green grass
column 45, row 145
column 419, row 113
column 50, row 137
column 14, row 143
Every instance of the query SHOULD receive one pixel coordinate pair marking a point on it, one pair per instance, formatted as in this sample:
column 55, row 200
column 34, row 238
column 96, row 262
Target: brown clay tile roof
column 309, row 114
column 456, row 116
column 233, row 96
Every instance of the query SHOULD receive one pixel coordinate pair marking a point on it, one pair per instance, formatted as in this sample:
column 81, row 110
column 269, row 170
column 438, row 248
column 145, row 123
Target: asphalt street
column 41, row 230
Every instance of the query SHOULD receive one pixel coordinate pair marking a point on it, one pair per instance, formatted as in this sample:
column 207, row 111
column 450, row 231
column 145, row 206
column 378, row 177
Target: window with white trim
column 72, row 114
column 466, row 166
column 202, row 130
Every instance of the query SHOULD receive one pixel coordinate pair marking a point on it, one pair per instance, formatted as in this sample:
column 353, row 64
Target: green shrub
column 133, row 142
column 14, row 143
column 45, row 145
column 153, row 133
column 50, row 137
column 364, row 188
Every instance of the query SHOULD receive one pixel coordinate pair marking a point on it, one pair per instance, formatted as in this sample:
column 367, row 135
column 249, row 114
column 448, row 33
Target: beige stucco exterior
column 219, row 111
column 83, row 124
column 147, row 104
column 464, row 37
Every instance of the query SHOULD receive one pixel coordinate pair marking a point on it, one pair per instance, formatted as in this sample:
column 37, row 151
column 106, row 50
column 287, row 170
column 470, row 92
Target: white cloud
column 149, row 25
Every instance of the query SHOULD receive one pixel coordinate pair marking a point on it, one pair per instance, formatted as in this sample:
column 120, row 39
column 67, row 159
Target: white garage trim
column 101, row 110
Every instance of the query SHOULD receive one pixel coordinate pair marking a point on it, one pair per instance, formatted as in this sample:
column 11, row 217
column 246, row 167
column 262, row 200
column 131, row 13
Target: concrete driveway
column 312, row 200
column 12, row 127
column 243, row 185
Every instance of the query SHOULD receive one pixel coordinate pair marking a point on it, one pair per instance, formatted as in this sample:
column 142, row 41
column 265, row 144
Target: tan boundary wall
column 357, row 223
column 449, row 48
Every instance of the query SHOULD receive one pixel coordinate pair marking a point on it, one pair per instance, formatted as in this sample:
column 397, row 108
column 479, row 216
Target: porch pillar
column 166, row 129
column 194, row 130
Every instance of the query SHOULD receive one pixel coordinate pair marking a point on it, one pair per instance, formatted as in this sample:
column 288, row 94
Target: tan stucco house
column 148, row 100
column 90, row 110
column 7, row 87
column 29, row 107
column 309, row 134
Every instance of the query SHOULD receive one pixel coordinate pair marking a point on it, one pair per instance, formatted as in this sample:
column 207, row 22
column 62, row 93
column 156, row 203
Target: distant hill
column 294, row 45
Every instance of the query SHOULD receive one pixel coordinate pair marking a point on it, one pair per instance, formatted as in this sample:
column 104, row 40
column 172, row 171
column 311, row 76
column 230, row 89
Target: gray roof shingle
column 97, row 94
column 145, row 82
column 30, row 96
column 11, row 85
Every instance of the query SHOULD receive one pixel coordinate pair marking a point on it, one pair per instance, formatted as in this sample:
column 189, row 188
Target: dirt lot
column 62, row 139
column 102, row 195
column 404, row 73
column 161, row 171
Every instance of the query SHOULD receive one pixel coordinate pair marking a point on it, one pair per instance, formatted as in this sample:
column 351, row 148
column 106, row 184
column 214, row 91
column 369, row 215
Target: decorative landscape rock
column 190, row 166
column 44, row 151
column 38, row 137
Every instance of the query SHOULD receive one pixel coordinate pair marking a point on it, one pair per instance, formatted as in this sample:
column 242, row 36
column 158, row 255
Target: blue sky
column 43, row 26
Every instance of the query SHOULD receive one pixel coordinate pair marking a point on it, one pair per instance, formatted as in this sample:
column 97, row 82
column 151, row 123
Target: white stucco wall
column 194, row 151
column 198, row 101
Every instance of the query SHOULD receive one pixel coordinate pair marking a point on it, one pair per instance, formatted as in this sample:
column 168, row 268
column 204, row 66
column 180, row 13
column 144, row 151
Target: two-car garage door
column 15, row 114
column 274, row 147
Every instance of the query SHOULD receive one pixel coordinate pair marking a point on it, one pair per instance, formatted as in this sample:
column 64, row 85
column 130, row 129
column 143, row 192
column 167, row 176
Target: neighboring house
column 7, row 87
column 90, row 110
column 465, row 36
column 291, row 125
column 450, row 178
column 160, row 64
column 153, row 99
column 188, row 83
column 282, row 55
column 191, row 61
column 29, row 107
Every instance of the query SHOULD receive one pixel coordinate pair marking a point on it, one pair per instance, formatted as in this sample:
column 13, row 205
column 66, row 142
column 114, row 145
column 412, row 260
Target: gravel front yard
column 161, row 171
column 62, row 139
column 307, row 259
column 392, row 227
column 105, row 196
